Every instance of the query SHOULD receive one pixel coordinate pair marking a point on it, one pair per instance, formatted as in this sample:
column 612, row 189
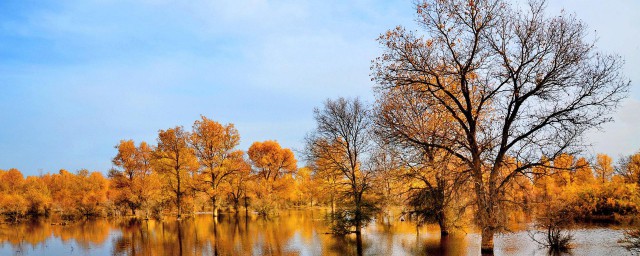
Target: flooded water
column 293, row 233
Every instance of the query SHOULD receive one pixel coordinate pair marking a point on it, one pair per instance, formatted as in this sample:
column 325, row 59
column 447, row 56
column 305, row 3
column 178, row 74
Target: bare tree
column 517, row 85
column 342, row 141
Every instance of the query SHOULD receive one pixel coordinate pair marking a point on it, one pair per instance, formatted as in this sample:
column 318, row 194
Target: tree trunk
column 486, row 246
column 246, row 206
column 333, row 205
column 358, row 215
column 214, row 206
column 179, row 192
column 442, row 222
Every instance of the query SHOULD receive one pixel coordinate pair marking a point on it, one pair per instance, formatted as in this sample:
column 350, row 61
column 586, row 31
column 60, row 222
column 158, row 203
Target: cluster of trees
column 201, row 170
column 487, row 102
column 63, row 193
column 197, row 170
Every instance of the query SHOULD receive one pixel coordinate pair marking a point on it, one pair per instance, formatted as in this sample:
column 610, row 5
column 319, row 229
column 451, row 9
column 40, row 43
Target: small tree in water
column 552, row 231
column 342, row 142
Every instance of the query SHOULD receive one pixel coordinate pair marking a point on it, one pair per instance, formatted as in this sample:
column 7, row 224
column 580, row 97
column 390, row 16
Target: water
column 293, row 233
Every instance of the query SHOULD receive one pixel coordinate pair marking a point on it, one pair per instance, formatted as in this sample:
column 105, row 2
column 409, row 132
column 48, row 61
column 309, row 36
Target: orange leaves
column 604, row 167
column 271, row 159
column 212, row 141
column 173, row 153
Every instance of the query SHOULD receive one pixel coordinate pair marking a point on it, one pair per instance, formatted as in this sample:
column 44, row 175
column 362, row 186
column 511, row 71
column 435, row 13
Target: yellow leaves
column 271, row 159
column 604, row 167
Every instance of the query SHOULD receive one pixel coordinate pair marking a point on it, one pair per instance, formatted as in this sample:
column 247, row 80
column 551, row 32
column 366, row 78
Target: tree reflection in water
column 293, row 233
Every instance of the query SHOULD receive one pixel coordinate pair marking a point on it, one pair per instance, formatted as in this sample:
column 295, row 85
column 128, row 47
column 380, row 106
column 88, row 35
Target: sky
column 76, row 77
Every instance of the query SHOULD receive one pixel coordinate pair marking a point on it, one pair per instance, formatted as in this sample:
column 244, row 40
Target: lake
column 294, row 232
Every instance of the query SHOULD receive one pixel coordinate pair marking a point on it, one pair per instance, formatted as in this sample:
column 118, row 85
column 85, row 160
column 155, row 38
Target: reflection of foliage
column 631, row 240
column 345, row 220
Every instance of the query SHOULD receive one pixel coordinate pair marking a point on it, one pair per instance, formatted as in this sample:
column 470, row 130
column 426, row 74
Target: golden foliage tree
column 274, row 166
column 135, row 185
column 176, row 162
column 604, row 167
column 214, row 146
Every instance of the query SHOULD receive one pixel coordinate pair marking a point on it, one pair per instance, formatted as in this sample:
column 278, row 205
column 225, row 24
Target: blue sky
column 78, row 76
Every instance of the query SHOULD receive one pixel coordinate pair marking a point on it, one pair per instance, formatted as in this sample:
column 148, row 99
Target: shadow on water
column 292, row 233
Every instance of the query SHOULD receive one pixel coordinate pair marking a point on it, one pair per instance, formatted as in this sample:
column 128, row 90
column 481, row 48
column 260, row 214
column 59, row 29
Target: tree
column 238, row 184
column 629, row 168
column 329, row 178
column 176, row 161
column 272, row 163
column 38, row 195
column 214, row 146
column 12, row 203
column 584, row 174
column 604, row 167
column 271, row 160
column 342, row 140
column 90, row 192
column 135, row 185
column 517, row 84
column 123, row 181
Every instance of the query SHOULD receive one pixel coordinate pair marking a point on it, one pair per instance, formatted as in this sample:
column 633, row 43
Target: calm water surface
column 293, row 233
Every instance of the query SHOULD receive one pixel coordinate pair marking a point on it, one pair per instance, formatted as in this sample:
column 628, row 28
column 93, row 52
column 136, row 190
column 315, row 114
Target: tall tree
column 342, row 140
column 214, row 146
column 176, row 161
column 517, row 84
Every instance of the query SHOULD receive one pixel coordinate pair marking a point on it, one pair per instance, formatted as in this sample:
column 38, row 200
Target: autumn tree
column 176, row 161
column 272, row 163
column 629, row 168
column 90, row 192
column 583, row 172
column 388, row 183
column 38, row 196
column 307, row 187
column 329, row 179
column 238, row 183
column 134, row 185
column 62, row 186
column 214, row 146
column 525, row 85
column 342, row 141
column 604, row 167
column 12, row 204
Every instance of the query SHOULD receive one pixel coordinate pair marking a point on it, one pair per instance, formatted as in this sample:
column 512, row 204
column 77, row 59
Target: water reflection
column 293, row 233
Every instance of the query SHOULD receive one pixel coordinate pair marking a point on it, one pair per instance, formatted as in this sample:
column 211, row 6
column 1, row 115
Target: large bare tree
column 342, row 141
column 516, row 83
